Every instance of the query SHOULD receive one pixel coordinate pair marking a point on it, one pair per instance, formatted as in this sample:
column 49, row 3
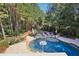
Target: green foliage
column 4, row 43
column 13, row 41
column 64, row 18
column 77, row 36
column 29, row 10
column 9, row 41
column 16, row 17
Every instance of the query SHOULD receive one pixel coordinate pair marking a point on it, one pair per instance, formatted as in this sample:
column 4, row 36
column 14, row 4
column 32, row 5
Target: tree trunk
column 8, row 7
column 14, row 18
column 3, row 32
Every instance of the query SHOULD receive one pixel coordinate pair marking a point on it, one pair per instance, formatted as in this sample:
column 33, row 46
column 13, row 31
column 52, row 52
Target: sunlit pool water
column 54, row 45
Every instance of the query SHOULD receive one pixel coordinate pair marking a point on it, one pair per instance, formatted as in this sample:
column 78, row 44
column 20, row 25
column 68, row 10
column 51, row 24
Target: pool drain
column 43, row 43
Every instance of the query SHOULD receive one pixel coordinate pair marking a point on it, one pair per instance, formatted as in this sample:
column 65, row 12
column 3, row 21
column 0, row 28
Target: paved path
column 17, row 48
column 20, row 47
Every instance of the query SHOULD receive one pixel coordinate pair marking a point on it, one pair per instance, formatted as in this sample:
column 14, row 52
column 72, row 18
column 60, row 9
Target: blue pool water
column 54, row 46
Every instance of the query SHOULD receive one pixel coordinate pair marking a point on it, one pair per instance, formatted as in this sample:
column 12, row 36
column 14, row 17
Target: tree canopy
column 64, row 18
column 60, row 18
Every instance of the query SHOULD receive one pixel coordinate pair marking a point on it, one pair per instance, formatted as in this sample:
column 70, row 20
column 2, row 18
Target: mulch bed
column 3, row 49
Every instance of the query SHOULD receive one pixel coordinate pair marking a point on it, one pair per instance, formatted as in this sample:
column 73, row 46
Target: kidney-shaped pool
column 50, row 45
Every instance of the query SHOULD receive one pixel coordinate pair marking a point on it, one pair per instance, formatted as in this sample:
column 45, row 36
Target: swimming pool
column 54, row 45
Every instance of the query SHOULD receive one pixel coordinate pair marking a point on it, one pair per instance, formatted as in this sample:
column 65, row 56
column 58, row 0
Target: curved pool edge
column 58, row 52
column 43, row 54
column 33, row 53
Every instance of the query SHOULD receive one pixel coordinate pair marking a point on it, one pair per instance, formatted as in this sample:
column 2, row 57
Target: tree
column 2, row 16
column 64, row 18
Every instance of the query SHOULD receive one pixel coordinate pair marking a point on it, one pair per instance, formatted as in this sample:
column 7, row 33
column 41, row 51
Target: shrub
column 68, row 33
column 77, row 36
column 13, row 41
column 9, row 41
column 4, row 43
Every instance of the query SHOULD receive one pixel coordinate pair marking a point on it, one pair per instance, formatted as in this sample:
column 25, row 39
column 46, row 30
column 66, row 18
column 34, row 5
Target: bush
column 13, row 41
column 9, row 41
column 77, row 36
column 68, row 33
column 15, row 33
column 4, row 43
